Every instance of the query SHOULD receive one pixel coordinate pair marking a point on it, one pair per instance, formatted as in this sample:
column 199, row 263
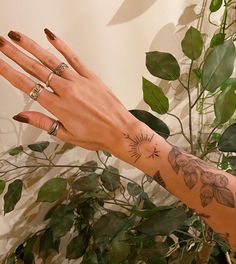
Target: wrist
column 140, row 146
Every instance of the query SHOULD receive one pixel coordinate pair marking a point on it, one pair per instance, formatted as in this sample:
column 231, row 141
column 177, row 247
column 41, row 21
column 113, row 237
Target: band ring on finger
column 34, row 94
column 53, row 129
column 60, row 69
column 49, row 78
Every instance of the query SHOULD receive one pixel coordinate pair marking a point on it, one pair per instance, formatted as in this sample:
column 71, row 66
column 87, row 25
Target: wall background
column 111, row 37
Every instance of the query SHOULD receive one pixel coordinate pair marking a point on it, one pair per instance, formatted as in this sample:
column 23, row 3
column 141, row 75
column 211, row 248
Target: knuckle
column 14, row 52
column 42, row 123
column 3, row 66
column 70, row 91
column 20, row 81
column 35, row 67
column 49, row 61
column 75, row 60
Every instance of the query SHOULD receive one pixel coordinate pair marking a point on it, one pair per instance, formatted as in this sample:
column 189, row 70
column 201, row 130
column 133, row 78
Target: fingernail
column 21, row 118
column 13, row 35
column 1, row 42
column 49, row 34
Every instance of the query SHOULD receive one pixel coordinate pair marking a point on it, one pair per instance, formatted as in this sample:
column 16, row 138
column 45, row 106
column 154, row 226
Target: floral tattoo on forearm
column 214, row 185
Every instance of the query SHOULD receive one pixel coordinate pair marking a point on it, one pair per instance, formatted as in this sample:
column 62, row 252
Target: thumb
column 41, row 121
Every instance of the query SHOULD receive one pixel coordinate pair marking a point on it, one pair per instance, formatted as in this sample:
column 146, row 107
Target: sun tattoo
column 139, row 146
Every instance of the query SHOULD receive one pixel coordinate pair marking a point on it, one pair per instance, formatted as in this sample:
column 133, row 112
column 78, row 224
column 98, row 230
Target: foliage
column 136, row 229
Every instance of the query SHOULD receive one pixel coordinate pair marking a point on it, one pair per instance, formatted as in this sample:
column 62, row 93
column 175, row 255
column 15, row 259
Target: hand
column 90, row 115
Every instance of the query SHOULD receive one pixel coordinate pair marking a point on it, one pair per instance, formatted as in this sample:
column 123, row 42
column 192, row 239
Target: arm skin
column 93, row 118
column 209, row 191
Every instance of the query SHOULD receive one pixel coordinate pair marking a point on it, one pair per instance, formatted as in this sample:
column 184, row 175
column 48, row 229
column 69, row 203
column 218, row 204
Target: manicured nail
column 13, row 35
column 1, row 42
column 21, row 118
column 49, row 34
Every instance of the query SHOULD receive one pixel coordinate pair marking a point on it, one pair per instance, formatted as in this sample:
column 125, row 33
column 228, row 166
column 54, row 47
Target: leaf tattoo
column 214, row 185
column 157, row 177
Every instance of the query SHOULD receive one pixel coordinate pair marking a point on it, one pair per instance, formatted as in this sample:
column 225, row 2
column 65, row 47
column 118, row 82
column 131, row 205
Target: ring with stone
column 60, row 68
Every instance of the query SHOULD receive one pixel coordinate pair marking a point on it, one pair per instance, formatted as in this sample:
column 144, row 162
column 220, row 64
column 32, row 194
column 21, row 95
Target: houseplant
column 136, row 230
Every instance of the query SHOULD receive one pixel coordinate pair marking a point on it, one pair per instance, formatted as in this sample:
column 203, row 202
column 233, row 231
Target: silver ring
column 53, row 129
column 60, row 68
column 49, row 79
column 34, row 94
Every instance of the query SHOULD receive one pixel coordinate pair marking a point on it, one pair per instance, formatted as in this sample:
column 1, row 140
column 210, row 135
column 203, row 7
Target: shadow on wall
column 130, row 9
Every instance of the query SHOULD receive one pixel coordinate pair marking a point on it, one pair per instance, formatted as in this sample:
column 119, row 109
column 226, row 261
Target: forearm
column 207, row 190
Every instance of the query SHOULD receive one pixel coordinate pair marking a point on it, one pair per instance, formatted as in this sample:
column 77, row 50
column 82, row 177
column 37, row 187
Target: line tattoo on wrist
column 214, row 185
column 139, row 146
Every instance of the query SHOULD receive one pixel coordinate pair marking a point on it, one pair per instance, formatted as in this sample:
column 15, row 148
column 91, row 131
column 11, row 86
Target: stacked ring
column 53, row 129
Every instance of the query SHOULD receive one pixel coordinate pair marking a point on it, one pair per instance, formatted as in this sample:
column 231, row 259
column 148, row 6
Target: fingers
column 46, row 57
column 69, row 55
column 25, row 84
column 41, row 121
column 30, row 65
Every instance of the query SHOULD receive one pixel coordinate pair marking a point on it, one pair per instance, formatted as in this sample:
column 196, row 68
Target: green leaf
column 90, row 257
column 217, row 39
column 62, row 220
column 162, row 65
column 39, row 147
column 29, row 245
column 133, row 189
column 163, row 222
column 2, row 186
column 198, row 73
column 153, row 122
column 89, row 166
column 78, row 245
column 227, row 142
column 218, row 66
column 215, row 5
column 11, row 259
column 47, row 245
column 232, row 162
column 225, row 105
column 192, row 44
column 15, row 151
column 13, row 195
column 229, row 82
column 86, row 183
column 153, row 253
column 110, row 178
column 52, row 190
column 109, row 224
column 29, row 259
column 154, row 97
column 119, row 248
column 147, row 213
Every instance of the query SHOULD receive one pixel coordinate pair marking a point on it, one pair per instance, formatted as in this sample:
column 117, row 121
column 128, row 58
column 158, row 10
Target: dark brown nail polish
column 21, row 118
column 14, row 36
column 1, row 42
column 49, row 34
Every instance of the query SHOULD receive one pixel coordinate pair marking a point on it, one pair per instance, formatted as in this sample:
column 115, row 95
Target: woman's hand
column 90, row 115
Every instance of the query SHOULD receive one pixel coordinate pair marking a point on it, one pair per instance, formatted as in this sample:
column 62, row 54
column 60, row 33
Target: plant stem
column 181, row 126
column 190, row 108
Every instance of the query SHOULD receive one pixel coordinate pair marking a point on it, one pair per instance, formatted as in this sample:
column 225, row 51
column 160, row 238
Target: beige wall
column 111, row 37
